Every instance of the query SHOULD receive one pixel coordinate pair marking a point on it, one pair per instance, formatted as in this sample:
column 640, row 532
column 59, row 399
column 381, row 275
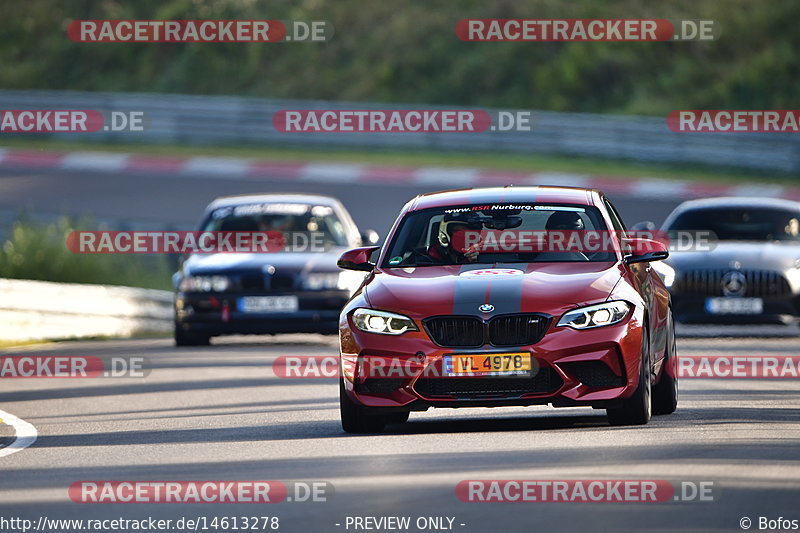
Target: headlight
column 321, row 281
column 383, row 322
column 665, row 272
column 595, row 316
column 346, row 280
column 204, row 284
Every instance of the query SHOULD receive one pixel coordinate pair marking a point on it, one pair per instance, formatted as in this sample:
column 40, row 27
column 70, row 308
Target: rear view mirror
column 358, row 259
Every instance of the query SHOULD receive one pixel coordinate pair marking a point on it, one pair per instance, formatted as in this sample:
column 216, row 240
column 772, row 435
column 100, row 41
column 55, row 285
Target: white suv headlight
column 595, row 316
column 383, row 322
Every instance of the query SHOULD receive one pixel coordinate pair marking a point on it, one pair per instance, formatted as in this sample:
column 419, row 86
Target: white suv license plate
column 268, row 304
column 735, row 306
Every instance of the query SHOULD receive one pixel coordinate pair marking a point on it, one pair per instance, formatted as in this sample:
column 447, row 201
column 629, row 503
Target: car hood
column 748, row 256
column 236, row 262
column 513, row 288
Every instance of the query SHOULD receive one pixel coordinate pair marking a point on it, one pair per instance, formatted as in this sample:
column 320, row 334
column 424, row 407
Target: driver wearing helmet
column 450, row 246
column 563, row 221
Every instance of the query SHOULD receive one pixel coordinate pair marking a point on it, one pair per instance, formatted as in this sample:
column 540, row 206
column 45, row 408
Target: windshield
column 309, row 223
column 499, row 233
column 742, row 223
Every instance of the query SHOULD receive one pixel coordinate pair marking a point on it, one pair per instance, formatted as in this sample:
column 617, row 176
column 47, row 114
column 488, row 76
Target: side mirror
column 358, row 259
column 645, row 250
column 370, row 236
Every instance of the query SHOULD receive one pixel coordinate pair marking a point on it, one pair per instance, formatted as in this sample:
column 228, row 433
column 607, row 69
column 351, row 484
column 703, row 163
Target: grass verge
column 37, row 251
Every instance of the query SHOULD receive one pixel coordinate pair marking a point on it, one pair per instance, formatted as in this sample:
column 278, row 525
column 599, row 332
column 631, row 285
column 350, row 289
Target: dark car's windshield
column 742, row 223
column 314, row 221
column 477, row 234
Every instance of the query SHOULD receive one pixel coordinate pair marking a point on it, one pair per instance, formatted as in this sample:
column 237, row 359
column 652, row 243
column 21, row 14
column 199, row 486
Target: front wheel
column 185, row 338
column 665, row 393
column 354, row 417
column 636, row 410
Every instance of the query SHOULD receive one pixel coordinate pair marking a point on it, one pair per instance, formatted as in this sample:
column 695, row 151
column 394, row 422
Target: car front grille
column 545, row 381
column 456, row 331
column 502, row 330
column 258, row 282
column 759, row 283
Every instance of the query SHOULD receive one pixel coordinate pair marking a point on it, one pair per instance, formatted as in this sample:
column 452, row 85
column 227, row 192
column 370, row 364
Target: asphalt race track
column 157, row 201
column 221, row 413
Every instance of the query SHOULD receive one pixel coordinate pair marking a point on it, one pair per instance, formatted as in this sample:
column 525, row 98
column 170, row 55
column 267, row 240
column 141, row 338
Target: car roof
column 273, row 198
column 738, row 201
column 507, row 194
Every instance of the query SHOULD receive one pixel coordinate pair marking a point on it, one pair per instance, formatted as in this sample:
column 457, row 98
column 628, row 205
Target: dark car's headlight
column 205, row 284
column 383, row 322
column 594, row 316
column 326, row 281
column 321, row 281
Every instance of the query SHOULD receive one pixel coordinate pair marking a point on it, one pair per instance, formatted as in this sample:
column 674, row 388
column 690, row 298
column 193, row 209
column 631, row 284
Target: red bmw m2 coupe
column 507, row 296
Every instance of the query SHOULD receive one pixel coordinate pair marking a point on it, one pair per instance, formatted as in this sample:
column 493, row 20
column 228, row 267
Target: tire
column 184, row 338
column 665, row 393
column 354, row 417
column 397, row 418
column 636, row 410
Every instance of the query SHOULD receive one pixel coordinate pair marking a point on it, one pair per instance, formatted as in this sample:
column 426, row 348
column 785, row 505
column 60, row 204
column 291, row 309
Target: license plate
column 495, row 364
column 268, row 304
column 735, row 306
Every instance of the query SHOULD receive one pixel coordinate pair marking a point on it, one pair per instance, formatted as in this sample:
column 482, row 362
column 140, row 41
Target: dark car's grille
column 502, row 330
column 252, row 282
column 282, row 282
column 545, row 381
column 759, row 283
column 594, row 374
column 258, row 282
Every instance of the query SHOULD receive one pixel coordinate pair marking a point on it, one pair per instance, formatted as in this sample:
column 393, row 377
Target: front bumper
column 218, row 313
column 596, row 367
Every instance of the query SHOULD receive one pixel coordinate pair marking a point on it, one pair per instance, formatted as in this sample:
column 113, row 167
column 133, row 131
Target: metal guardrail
column 35, row 310
column 223, row 120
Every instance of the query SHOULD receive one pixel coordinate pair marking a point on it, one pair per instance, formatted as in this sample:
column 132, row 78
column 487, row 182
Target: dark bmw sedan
column 750, row 272
column 294, row 289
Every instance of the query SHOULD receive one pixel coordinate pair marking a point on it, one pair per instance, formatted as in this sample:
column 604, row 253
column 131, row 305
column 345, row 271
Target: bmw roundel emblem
column 486, row 308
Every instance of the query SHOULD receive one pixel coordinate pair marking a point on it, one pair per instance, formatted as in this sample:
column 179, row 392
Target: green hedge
column 407, row 51
column 33, row 250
